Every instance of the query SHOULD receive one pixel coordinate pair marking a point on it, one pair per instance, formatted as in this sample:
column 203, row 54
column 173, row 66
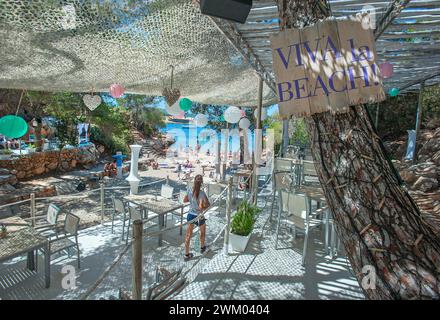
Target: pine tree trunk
column 376, row 220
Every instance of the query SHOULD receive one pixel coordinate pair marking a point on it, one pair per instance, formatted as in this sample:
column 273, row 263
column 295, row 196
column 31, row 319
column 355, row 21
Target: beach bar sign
column 326, row 67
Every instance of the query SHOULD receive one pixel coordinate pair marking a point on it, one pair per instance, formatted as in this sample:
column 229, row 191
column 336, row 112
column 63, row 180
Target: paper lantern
column 92, row 102
column 201, row 120
column 386, row 70
column 232, row 114
column 393, row 92
column 13, row 127
column 243, row 113
column 174, row 110
column 244, row 123
column 263, row 114
column 221, row 118
column 181, row 115
column 185, row 104
column 116, row 90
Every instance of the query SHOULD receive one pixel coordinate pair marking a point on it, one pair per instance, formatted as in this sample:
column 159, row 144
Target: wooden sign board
column 327, row 67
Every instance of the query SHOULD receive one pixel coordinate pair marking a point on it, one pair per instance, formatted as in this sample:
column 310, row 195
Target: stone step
column 8, row 179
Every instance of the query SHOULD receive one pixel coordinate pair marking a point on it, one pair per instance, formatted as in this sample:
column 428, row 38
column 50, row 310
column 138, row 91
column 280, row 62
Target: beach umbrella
column 91, row 101
column 13, row 126
column 263, row 114
column 244, row 123
column 386, row 70
column 201, row 120
column 185, row 104
column 393, row 92
column 232, row 114
column 116, row 90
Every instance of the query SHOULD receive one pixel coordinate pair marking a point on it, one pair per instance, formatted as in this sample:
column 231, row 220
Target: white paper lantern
column 174, row 110
column 232, row 114
column 201, row 120
column 92, row 102
column 263, row 114
column 244, row 123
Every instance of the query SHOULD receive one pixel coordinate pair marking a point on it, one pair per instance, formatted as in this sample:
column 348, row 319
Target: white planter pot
column 239, row 243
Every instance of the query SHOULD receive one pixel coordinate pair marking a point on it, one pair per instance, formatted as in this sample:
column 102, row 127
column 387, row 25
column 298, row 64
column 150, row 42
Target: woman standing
column 198, row 202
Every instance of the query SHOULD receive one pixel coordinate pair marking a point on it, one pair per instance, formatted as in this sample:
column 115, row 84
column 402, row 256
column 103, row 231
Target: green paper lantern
column 13, row 127
column 185, row 104
column 393, row 92
column 222, row 118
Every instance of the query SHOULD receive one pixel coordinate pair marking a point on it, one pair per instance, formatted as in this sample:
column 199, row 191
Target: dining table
column 158, row 205
column 22, row 239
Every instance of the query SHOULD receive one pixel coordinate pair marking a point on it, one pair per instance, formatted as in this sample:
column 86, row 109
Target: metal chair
column 133, row 215
column 69, row 239
column 48, row 225
column 119, row 208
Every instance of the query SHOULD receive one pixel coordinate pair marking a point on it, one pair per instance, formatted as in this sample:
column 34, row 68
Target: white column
column 133, row 178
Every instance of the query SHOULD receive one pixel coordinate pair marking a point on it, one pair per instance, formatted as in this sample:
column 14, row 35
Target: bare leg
column 202, row 235
column 189, row 231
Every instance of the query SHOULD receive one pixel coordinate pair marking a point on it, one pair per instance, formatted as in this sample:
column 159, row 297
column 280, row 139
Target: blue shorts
column 191, row 216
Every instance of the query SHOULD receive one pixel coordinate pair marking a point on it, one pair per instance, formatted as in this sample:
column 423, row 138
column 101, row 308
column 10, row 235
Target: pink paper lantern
column 386, row 70
column 243, row 113
column 181, row 115
column 116, row 90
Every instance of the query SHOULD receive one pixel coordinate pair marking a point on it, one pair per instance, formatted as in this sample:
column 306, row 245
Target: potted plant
column 3, row 231
column 31, row 148
column 242, row 225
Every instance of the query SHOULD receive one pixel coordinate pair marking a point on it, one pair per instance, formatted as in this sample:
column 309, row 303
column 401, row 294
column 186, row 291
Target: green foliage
column 398, row 114
column 244, row 219
column 300, row 135
column 276, row 124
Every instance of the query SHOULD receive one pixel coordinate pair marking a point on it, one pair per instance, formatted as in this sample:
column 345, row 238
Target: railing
column 136, row 244
column 33, row 199
column 101, row 190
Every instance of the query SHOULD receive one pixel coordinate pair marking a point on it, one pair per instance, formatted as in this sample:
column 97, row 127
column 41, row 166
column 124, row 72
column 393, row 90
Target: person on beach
column 198, row 202
column 110, row 169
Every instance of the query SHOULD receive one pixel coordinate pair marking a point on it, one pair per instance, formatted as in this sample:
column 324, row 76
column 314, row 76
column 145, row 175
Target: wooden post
column 102, row 196
column 258, row 127
column 225, row 152
column 33, row 208
column 419, row 118
column 137, row 260
column 228, row 215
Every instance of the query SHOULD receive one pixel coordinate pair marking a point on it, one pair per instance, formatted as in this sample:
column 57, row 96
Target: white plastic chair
column 296, row 206
column 309, row 174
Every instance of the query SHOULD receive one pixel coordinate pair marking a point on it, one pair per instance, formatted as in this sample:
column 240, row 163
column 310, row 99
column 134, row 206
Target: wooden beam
column 421, row 80
column 391, row 12
column 231, row 33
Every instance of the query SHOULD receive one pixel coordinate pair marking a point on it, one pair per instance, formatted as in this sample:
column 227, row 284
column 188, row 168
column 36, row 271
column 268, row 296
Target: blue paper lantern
column 393, row 92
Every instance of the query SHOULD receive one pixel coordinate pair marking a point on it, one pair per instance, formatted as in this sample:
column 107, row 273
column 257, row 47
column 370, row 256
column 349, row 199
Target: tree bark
column 376, row 220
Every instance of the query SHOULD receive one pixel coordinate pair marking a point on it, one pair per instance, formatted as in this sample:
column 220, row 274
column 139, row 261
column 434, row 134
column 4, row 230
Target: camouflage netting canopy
column 86, row 45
